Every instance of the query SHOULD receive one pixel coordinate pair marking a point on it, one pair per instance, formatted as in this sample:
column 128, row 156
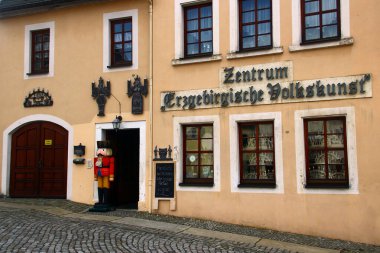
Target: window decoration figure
column 100, row 94
column 104, row 169
column 136, row 90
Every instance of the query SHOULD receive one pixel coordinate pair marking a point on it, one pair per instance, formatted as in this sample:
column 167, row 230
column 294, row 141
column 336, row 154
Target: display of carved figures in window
column 335, row 163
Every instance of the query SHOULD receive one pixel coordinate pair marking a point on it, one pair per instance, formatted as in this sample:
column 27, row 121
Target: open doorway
column 125, row 147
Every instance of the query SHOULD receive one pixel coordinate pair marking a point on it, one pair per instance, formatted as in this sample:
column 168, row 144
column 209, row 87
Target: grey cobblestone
column 75, row 235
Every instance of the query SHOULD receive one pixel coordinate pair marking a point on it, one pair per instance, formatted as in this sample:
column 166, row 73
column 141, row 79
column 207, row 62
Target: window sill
column 342, row 186
column 197, row 184
column 215, row 57
column 38, row 73
column 340, row 43
column 257, row 185
column 237, row 55
column 119, row 66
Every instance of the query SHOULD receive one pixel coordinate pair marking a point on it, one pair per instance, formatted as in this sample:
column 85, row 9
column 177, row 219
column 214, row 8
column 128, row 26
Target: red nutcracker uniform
column 104, row 168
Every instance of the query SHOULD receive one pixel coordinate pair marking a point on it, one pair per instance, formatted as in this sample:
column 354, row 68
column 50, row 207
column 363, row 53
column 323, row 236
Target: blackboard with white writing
column 164, row 180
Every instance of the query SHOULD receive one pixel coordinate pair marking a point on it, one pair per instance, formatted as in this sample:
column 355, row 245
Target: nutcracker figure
column 104, row 168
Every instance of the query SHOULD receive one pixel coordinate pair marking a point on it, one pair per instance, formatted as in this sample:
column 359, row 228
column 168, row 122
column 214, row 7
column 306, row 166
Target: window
column 320, row 20
column 326, row 152
column 256, row 151
column 198, row 30
column 198, row 155
column 40, row 51
column 255, row 24
column 121, row 42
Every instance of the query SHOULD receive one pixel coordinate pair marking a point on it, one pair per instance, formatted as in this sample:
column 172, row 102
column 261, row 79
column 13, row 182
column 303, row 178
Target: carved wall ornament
column 136, row 90
column 38, row 98
column 100, row 93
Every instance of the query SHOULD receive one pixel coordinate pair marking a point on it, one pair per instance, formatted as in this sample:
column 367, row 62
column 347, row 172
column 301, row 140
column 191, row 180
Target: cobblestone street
column 64, row 226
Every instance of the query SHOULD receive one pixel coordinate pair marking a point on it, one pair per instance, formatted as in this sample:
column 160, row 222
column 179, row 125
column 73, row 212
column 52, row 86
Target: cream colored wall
column 78, row 62
column 353, row 217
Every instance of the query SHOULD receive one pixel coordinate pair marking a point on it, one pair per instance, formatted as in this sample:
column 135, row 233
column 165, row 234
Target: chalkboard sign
column 164, row 180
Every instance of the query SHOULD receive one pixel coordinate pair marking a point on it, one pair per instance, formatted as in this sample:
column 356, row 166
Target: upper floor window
column 320, row 20
column 198, row 155
column 256, row 152
column 326, row 152
column 255, row 24
column 198, row 30
column 40, row 51
column 121, row 42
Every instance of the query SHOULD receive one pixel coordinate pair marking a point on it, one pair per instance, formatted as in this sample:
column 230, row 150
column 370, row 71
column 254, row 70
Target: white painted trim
column 234, row 151
column 28, row 49
column 176, row 62
column 141, row 125
column 7, row 145
column 237, row 55
column 179, row 26
column 178, row 146
column 107, row 40
column 234, row 25
column 296, row 21
column 349, row 113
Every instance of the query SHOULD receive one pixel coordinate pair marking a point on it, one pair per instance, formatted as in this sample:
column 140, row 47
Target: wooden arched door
column 39, row 161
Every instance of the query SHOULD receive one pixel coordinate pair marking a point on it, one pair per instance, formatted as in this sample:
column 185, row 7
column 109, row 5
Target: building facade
column 266, row 108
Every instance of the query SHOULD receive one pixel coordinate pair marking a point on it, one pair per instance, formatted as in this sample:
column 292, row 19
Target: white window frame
column 235, row 119
column 346, row 38
column 28, row 49
column 178, row 122
column 179, row 32
column 349, row 113
column 234, row 32
column 107, row 17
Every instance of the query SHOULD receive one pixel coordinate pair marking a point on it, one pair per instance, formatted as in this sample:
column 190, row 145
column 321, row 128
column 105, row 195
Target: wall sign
column 38, row 98
column 164, row 180
column 48, row 142
column 245, row 86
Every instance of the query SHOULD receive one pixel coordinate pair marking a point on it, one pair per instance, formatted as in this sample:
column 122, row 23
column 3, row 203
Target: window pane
column 206, row 132
column 206, row 36
column 247, row 5
column 46, row 37
column 249, row 166
column 263, row 15
column 128, row 56
column 118, row 46
column 192, row 14
column 207, row 172
column 128, row 27
column 266, row 143
column 311, row 7
column 329, row 18
column 264, row 28
column 266, row 159
column 317, row 172
column 191, row 159
column 334, row 126
column 206, row 144
column 248, row 30
column 206, row 47
column 328, row 5
column 337, row 171
column 336, row 164
column 46, row 46
column 46, row 55
column 37, row 65
column 206, row 11
column 191, row 133
column 312, row 21
column 313, row 33
column 118, row 28
column 261, row 4
column 118, row 56
column 330, row 31
column 37, row 47
column 118, row 37
column 193, row 49
column 249, row 143
column 192, row 37
column 191, row 171
column 38, row 38
column 128, row 36
column 191, row 145
column 315, row 127
column 249, row 42
column 335, row 141
column 127, row 47
column 37, row 57
column 206, row 23
column 192, row 25
column 316, row 141
column 248, row 17
column 249, row 131
column 207, row 159
column 250, row 158
column 46, row 64
column 317, row 157
column 265, row 130
column 266, row 172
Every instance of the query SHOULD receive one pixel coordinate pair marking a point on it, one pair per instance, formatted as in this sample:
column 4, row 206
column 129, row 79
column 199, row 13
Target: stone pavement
column 40, row 225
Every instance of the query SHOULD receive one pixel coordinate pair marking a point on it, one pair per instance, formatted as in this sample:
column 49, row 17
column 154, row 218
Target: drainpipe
column 150, row 182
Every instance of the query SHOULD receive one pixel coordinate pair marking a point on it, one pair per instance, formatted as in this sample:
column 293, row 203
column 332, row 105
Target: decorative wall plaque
column 100, row 94
column 136, row 90
column 38, row 98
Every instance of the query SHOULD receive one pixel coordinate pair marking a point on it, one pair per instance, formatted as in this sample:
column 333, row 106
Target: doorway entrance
column 125, row 148
column 39, row 161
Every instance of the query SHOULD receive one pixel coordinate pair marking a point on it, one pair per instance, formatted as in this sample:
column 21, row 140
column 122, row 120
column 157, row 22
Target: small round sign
column 192, row 158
